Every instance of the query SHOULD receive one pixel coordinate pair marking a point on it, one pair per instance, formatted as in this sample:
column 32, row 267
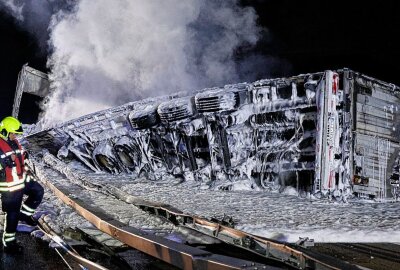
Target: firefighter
column 15, row 181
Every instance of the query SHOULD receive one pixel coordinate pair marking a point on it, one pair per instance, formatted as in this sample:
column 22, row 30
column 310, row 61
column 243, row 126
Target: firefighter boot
column 13, row 247
column 28, row 219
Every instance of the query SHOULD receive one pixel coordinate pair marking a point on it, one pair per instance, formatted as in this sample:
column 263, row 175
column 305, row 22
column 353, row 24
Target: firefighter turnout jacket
column 13, row 175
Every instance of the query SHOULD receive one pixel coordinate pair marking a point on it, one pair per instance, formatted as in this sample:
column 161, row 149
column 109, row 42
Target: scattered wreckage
column 331, row 133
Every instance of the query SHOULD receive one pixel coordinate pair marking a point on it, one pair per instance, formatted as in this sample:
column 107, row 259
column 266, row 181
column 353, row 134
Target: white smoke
column 14, row 7
column 107, row 53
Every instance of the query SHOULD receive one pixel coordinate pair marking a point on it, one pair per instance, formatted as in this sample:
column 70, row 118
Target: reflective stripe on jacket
column 15, row 174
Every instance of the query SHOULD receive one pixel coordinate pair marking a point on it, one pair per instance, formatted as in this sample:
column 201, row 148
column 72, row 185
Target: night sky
column 17, row 48
column 306, row 36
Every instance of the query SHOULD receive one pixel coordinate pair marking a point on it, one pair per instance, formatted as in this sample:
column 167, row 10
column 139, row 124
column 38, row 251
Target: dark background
column 306, row 36
column 17, row 47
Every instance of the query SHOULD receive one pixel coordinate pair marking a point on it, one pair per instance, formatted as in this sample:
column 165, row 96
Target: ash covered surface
column 282, row 216
column 272, row 214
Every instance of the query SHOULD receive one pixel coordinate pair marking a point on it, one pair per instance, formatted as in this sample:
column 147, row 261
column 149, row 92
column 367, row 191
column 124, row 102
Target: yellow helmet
column 10, row 125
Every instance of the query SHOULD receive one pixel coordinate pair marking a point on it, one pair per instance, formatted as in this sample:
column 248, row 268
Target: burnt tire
column 129, row 156
column 107, row 164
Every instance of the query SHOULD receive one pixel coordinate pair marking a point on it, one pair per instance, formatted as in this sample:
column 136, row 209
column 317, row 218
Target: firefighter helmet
column 10, row 125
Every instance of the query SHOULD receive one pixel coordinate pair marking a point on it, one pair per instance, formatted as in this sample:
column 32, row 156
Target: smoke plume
column 105, row 53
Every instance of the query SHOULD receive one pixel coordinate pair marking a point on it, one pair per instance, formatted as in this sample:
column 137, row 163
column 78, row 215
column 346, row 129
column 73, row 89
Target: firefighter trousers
column 11, row 204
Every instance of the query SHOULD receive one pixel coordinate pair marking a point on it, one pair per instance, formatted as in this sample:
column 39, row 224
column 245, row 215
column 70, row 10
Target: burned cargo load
column 331, row 133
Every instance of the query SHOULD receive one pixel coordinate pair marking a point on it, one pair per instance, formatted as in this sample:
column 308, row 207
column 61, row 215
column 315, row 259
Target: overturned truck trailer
column 332, row 133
